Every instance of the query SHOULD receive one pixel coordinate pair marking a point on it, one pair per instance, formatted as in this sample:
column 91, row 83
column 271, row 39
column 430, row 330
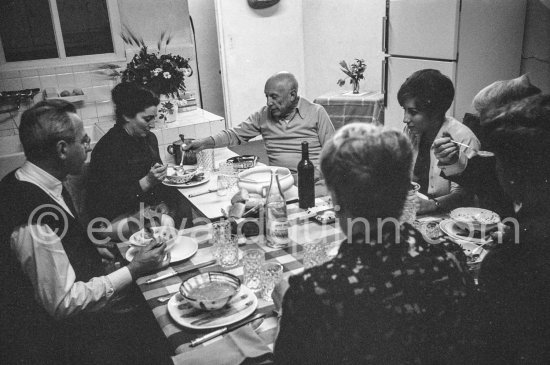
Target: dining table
column 302, row 230
column 204, row 198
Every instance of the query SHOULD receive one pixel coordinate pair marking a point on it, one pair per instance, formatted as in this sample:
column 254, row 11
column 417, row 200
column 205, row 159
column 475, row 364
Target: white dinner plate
column 181, row 248
column 165, row 232
column 189, row 184
column 449, row 227
column 240, row 307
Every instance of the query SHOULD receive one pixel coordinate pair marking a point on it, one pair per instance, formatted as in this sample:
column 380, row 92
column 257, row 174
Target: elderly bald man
column 284, row 123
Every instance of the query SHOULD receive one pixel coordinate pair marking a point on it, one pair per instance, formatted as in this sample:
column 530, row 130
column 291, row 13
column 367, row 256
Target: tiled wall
column 94, row 82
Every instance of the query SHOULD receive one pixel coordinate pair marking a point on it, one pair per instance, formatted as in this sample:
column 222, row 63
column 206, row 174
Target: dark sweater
column 28, row 332
column 117, row 164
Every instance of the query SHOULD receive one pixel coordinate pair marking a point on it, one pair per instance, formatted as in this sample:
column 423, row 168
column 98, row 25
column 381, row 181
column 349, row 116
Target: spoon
column 476, row 152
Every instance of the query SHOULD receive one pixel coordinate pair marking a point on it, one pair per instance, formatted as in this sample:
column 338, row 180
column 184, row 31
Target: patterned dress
column 394, row 300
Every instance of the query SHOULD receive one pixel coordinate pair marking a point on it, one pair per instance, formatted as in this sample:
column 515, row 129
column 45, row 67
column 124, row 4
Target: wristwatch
column 437, row 203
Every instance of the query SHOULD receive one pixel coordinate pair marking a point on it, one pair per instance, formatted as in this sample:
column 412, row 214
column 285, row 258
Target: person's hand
column 425, row 206
column 198, row 145
column 156, row 174
column 149, row 258
column 279, row 292
column 446, row 151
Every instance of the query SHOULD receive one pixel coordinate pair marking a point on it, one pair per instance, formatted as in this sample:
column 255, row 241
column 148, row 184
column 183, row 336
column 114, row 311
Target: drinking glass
column 229, row 252
column 206, row 160
column 253, row 262
column 271, row 274
column 409, row 208
column 222, row 185
column 315, row 253
column 221, row 232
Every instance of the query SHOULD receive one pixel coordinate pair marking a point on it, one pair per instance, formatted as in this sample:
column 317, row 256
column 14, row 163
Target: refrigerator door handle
column 384, row 86
column 384, row 34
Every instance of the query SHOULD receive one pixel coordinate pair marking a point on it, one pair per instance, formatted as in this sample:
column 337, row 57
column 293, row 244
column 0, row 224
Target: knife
column 202, row 193
column 169, row 275
column 224, row 330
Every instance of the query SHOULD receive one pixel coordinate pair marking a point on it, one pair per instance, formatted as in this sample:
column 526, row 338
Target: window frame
column 118, row 45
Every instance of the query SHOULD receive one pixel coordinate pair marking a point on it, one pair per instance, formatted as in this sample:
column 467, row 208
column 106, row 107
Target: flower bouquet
column 160, row 73
column 163, row 74
column 355, row 73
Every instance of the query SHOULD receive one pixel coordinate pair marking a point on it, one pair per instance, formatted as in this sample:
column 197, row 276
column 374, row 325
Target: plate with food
column 144, row 237
column 185, row 176
column 240, row 306
column 180, row 248
column 453, row 230
column 477, row 219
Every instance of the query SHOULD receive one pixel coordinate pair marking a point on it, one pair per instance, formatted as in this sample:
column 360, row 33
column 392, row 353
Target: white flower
column 157, row 70
column 167, row 75
column 155, row 73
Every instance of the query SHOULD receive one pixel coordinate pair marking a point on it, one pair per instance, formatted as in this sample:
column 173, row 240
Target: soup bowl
column 257, row 179
column 210, row 290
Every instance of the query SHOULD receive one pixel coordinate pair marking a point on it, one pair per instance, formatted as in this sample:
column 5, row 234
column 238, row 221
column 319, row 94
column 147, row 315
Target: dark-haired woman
column 125, row 169
column 426, row 96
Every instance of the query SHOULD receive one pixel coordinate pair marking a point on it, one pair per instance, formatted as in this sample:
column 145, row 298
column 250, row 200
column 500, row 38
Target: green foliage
column 354, row 72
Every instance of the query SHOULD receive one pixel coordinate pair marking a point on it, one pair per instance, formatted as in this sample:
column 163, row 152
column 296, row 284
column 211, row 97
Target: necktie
column 69, row 201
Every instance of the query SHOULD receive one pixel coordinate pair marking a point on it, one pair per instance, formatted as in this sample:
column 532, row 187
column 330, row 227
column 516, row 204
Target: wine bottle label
column 277, row 234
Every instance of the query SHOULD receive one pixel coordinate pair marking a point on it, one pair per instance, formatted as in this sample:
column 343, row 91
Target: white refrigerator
column 473, row 42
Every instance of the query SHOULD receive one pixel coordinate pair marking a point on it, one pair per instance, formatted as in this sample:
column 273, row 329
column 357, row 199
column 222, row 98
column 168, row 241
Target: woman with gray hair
column 476, row 173
column 388, row 297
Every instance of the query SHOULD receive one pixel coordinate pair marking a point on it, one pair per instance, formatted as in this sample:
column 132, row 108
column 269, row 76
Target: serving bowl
column 475, row 219
column 245, row 162
column 176, row 174
column 141, row 238
column 210, row 290
column 257, row 179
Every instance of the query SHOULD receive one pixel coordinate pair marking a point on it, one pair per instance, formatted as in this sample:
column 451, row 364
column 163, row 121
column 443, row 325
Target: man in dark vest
column 58, row 304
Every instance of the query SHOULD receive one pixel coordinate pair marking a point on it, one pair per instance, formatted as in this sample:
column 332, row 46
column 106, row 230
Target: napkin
column 234, row 348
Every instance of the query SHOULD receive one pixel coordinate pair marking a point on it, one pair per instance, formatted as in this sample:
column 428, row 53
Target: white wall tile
column 46, row 71
column 28, row 73
column 30, row 82
column 188, row 131
column 11, row 84
column 63, row 69
column 91, row 121
column 9, row 74
column 170, row 134
column 100, row 78
column 105, row 109
column 202, row 130
column 158, row 133
column 82, row 79
column 88, row 110
column 101, row 93
column 109, row 120
column 65, row 82
column 80, row 68
column 217, row 126
column 48, row 81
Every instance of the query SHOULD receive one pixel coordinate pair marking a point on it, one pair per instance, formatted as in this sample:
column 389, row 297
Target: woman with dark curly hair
column 125, row 168
column 426, row 96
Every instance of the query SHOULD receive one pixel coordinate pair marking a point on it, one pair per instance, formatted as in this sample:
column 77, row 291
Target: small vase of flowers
column 354, row 72
column 164, row 74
